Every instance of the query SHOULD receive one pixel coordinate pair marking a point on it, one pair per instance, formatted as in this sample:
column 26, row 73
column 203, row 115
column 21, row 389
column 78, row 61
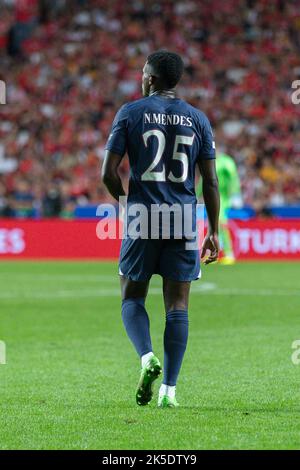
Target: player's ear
column 152, row 79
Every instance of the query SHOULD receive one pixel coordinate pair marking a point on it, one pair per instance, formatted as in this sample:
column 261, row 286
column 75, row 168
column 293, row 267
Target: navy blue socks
column 175, row 341
column 137, row 325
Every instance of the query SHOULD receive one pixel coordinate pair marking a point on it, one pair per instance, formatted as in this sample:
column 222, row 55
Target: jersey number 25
column 150, row 174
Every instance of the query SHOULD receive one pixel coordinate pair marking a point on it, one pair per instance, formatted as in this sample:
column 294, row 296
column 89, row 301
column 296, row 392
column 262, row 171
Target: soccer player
column 165, row 139
column 230, row 196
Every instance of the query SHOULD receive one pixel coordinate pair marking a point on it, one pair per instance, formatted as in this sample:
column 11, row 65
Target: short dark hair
column 168, row 66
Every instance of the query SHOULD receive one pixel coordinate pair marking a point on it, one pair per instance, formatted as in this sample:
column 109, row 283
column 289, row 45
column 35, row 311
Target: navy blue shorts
column 140, row 258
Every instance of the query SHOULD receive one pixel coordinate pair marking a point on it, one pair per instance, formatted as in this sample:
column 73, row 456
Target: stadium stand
column 69, row 65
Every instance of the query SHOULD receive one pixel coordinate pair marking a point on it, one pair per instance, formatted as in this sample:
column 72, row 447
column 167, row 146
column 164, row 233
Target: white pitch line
column 84, row 293
column 258, row 292
column 63, row 277
column 202, row 289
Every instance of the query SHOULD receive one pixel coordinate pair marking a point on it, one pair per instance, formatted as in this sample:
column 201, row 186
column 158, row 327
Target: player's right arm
column 115, row 149
column 110, row 175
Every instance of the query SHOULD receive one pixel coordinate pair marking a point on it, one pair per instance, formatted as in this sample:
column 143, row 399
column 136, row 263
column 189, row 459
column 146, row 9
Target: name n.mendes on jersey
column 168, row 119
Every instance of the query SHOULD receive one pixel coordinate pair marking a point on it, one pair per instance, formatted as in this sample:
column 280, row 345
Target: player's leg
column 176, row 298
column 138, row 259
column 226, row 243
column 179, row 265
column 137, row 325
column 225, row 236
column 134, row 315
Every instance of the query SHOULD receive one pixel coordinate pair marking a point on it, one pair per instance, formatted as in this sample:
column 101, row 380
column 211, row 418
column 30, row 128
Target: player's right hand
column 210, row 244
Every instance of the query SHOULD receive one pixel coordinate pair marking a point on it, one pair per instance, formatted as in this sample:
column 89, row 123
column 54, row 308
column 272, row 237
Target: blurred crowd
column 69, row 65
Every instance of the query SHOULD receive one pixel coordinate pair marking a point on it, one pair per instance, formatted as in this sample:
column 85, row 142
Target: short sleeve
column 208, row 147
column 117, row 140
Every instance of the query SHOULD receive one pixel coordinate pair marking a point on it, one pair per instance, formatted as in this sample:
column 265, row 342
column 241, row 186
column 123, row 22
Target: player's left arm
column 211, row 196
column 115, row 149
column 210, row 190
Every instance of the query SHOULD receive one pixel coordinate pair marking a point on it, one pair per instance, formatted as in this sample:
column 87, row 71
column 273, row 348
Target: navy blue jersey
column 164, row 139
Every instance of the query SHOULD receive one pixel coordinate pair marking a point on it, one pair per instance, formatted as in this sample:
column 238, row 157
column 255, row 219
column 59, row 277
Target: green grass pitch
column 71, row 373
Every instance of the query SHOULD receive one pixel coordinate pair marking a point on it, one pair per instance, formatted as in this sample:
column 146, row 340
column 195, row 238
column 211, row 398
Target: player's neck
column 165, row 93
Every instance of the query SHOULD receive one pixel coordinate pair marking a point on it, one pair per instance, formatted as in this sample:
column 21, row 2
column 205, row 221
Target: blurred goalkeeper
column 230, row 197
